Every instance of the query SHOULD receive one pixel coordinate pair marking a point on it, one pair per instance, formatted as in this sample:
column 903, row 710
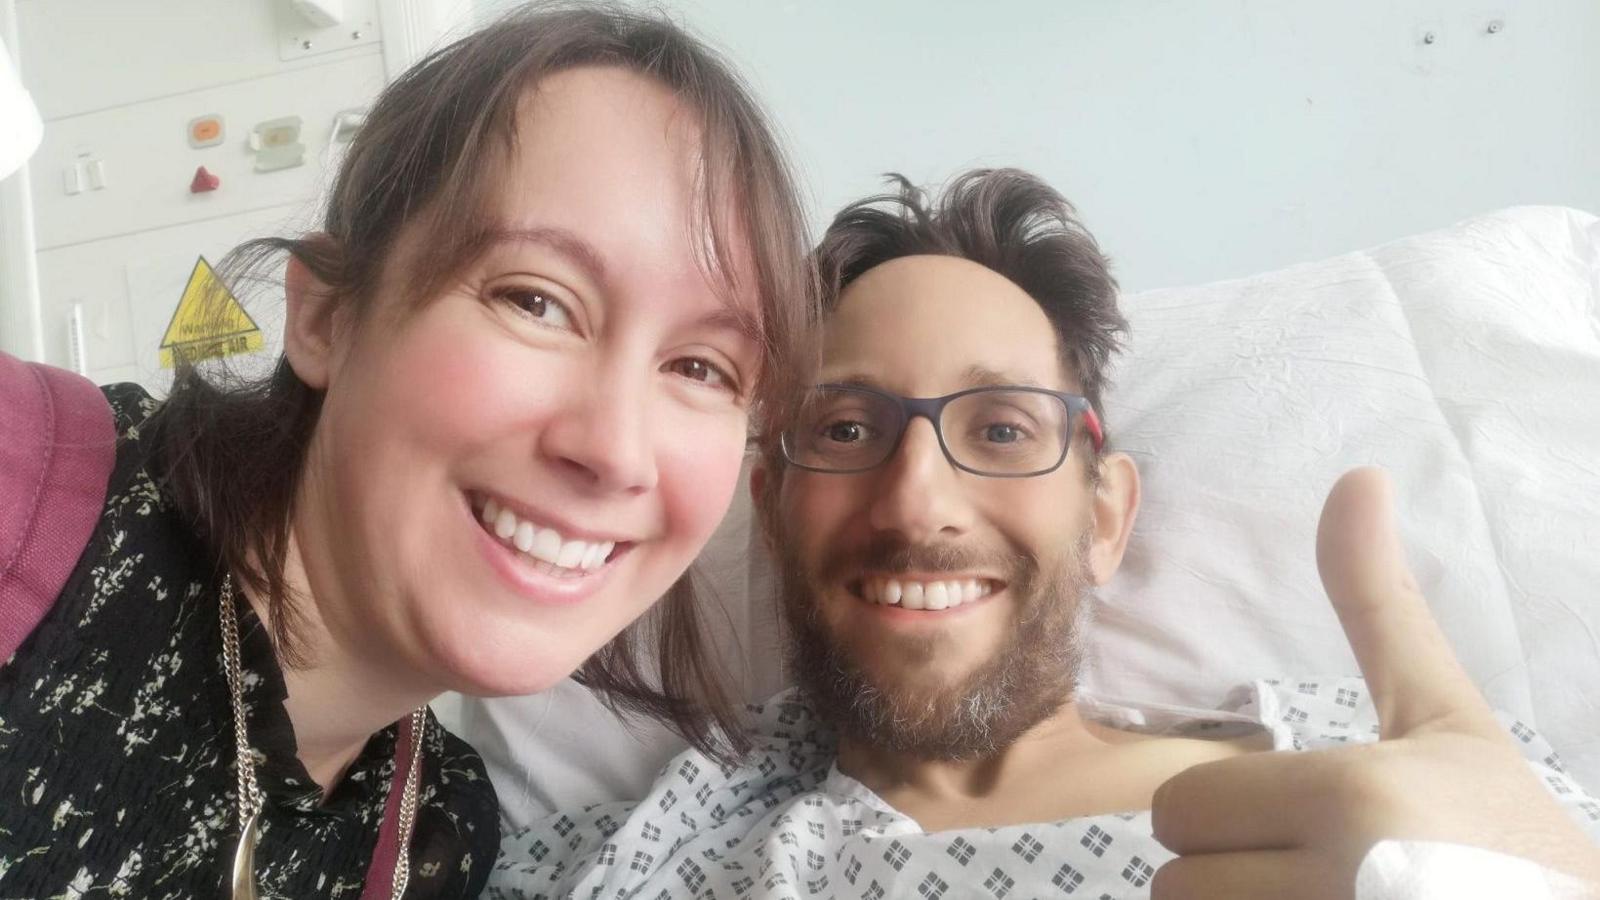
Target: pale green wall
column 1202, row 139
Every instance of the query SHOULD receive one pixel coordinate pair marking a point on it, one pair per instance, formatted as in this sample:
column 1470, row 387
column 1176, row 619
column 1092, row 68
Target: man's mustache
column 889, row 555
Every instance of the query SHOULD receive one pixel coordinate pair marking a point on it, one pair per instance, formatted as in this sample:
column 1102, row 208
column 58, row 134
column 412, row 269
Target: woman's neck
column 337, row 697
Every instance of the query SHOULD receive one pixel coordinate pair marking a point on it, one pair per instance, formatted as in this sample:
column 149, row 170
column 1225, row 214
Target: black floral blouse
column 116, row 737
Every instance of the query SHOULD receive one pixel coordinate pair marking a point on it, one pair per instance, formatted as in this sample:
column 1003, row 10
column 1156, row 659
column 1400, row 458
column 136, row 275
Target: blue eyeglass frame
column 931, row 408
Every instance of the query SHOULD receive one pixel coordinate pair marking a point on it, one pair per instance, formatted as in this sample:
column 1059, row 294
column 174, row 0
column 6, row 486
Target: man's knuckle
column 1167, row 883
column 1167, row 812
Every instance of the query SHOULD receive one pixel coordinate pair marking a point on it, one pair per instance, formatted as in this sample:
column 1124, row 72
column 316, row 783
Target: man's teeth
column 545, row 544
column 925, row 594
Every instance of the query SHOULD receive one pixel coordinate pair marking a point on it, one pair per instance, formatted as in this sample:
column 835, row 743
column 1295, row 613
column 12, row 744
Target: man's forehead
column 926, row 325
column 975, row 375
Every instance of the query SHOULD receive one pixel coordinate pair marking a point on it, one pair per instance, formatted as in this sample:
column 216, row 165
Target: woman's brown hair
column 231, row 453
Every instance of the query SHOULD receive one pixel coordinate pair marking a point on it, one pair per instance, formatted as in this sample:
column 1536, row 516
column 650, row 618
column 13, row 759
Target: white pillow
column 1466, row 361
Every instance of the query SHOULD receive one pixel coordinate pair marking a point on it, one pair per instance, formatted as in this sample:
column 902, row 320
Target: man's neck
column 1064, row 767
column 337, row 698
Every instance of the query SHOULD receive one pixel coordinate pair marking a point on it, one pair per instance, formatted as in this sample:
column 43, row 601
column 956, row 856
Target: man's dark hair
column 1005, row 220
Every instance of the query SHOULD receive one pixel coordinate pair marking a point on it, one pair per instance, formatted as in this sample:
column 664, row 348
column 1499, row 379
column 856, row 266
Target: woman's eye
column 539, row 305
column 696, row 369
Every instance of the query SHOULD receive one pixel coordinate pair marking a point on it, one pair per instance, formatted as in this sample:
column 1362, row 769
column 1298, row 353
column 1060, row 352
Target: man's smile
column 931, row 593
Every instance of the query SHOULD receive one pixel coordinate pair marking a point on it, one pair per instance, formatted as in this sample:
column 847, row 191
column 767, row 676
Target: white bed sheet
column 1466, row 361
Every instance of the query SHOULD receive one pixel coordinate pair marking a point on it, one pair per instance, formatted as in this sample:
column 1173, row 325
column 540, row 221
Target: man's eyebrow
column 978, row 375
column 579, row 251
column 856, row 379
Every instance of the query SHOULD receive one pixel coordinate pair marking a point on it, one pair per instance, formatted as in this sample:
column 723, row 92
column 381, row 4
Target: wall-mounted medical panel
column 137, row 167
column 127, row 291
column 84, row 55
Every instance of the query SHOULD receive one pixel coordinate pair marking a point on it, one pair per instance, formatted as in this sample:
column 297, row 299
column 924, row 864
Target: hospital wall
column 1201, row 140
column 120, row 215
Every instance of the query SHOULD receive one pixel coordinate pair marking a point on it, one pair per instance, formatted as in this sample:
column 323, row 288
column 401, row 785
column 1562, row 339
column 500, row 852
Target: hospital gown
column 786, row 823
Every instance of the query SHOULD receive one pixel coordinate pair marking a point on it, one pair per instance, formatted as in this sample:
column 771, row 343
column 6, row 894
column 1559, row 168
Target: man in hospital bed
column 935, row 558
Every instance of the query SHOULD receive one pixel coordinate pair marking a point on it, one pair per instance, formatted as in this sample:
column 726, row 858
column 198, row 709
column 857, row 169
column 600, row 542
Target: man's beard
column 1029, row 677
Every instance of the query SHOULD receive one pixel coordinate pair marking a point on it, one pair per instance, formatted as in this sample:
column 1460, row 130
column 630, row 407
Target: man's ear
column 308, row 331
column 1116, row 505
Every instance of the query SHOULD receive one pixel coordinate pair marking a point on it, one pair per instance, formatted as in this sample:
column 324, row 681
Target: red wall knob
column 203, row 181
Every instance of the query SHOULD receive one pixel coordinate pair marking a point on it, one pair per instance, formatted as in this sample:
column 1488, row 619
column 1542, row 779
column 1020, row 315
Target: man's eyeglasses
column 1000, row 432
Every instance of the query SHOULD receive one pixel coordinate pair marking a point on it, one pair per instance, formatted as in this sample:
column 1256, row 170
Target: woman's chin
column 502, row 663
column 489, row 682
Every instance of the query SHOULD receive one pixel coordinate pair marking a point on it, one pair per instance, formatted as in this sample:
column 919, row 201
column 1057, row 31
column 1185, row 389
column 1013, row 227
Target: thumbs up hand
column 1299, row 824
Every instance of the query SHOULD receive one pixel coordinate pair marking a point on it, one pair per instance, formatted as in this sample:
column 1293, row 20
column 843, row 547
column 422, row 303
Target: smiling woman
column 561, row 267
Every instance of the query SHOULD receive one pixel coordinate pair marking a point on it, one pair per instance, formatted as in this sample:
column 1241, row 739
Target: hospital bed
column 1466, row 361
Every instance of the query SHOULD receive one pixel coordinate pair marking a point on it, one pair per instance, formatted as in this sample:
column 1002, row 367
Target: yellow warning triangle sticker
column 209, row 322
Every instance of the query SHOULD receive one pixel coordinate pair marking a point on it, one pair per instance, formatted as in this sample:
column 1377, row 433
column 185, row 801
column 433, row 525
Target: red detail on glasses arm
column 1092, row 422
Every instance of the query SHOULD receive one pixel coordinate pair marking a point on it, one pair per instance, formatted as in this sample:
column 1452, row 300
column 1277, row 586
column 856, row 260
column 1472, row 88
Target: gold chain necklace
column 251, row 799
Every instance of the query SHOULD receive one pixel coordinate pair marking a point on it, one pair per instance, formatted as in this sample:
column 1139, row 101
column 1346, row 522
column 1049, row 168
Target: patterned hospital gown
column 787, row 824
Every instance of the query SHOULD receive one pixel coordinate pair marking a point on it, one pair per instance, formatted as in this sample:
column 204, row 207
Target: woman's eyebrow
column 577, row 250
column 734, row 318
column 731, row 317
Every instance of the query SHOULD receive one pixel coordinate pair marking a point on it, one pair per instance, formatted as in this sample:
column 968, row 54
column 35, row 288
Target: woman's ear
column 308, row 331
column 758, row 482
column 1116, row 505
column 762, row 500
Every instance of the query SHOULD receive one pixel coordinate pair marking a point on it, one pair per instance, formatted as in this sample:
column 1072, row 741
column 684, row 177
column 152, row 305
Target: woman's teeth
column 544, row 544
column 925, row 594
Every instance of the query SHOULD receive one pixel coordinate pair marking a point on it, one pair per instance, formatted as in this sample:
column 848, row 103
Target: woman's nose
column 601, row 435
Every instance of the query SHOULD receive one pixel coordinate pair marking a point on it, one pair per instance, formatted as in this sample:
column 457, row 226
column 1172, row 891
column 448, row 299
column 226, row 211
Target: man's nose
column 920, row 496
column 600, row 434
